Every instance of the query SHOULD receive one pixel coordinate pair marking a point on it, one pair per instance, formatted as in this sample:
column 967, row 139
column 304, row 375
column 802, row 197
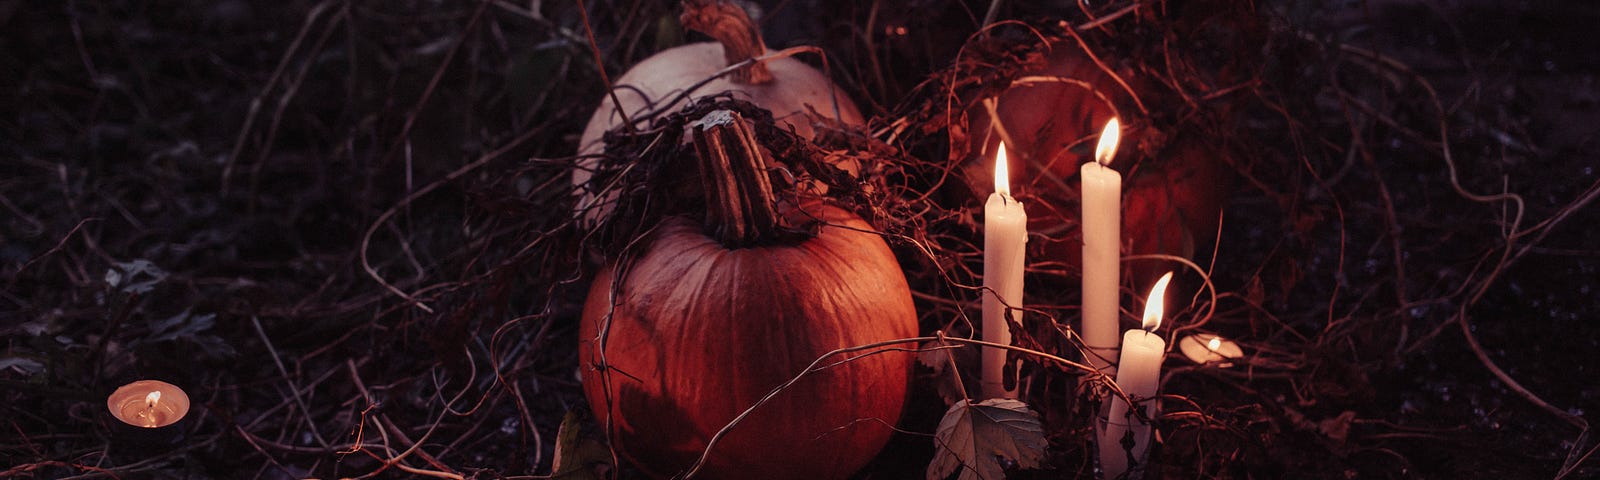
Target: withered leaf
column 974, row 437
column 575, row 454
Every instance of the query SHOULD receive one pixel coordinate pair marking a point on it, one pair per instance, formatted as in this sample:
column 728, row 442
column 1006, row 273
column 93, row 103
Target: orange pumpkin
column 691, row 332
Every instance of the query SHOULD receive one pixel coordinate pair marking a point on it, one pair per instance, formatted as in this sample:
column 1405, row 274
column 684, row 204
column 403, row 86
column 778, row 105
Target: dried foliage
column 974, row 437
column 344, row 227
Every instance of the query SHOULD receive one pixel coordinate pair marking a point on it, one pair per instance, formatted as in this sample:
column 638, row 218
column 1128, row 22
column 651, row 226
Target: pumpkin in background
column 710, row 317
column 1174, row 184
column 788, row 88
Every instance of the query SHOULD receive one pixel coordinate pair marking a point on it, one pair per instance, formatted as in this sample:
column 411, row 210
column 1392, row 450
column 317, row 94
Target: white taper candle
column 1005, row 236
column 1101, row 197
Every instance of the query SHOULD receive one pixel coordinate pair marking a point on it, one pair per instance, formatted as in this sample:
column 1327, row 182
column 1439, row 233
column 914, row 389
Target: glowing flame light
column 150, row 417
column 1214, row 344
column 1002, row 175
column 1152, row 306
column 1107, row 149
column 148, row 403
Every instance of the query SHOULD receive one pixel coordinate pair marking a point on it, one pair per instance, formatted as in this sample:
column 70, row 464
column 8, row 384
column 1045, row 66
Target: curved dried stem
column 1211, row 306
column 1513, row 231
column 600, row 64
column 1109, row 72
column 739, row 36
column 366, row 239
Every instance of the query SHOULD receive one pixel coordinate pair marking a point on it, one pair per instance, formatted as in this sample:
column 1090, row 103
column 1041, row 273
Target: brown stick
column 733, row 172
column 731, row 26
column 600, row 65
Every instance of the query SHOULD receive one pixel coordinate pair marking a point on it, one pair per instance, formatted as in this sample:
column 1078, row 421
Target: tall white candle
column 1138, row 374
column 1101, row 196
column 1005, row 235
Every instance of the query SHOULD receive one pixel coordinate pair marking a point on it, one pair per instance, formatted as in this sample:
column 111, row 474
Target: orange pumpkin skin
column 699, row 333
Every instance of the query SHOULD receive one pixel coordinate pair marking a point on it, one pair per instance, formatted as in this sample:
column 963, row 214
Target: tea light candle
column 1139, row 372
column 148, row 403
column 1005, row 236
column 1206, row 348
column 1100, row 191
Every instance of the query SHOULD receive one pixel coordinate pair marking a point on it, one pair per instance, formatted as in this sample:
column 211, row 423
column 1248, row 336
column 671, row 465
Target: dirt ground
column 343, row 228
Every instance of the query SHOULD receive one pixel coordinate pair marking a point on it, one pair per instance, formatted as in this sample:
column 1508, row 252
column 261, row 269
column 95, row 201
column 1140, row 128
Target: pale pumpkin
column 682, row 338
column 789, row 88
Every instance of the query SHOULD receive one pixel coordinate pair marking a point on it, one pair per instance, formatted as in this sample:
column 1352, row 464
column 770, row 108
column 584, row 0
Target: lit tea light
column 148, row 404
column 1206, row 348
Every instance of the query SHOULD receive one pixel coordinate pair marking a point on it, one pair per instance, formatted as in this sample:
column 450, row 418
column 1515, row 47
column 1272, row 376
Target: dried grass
column 378, row 204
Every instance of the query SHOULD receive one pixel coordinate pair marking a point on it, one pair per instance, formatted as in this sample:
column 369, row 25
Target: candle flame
column 152, row 399
column 1214, row 344
column 1152, row 305
column 1002, row 180
column 1107, row 149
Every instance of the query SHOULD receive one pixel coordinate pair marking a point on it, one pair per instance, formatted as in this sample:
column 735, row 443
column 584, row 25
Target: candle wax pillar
column 1138, row 374
column 1005, row 237
column 1102, row 241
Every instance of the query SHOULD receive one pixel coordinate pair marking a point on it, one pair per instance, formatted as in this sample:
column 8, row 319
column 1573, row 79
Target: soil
column 343, row 228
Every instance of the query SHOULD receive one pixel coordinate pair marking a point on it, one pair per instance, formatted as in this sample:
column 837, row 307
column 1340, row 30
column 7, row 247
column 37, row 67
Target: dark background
column 246, row 170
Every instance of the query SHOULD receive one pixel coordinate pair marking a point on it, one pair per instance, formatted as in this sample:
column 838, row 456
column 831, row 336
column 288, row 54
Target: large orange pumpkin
column 685, row 336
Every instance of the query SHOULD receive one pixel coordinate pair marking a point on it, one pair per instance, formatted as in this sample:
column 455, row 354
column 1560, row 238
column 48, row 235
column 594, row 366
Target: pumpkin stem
column 740, row 37
column 733, row 171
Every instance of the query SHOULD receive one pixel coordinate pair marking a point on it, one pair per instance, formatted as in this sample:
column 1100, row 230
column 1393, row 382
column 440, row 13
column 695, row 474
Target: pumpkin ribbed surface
column 699, row 333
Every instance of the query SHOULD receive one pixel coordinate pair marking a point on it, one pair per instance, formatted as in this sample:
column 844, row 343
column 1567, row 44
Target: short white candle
column 1005, row 236
column 1100, row 191
column 1138, row 374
